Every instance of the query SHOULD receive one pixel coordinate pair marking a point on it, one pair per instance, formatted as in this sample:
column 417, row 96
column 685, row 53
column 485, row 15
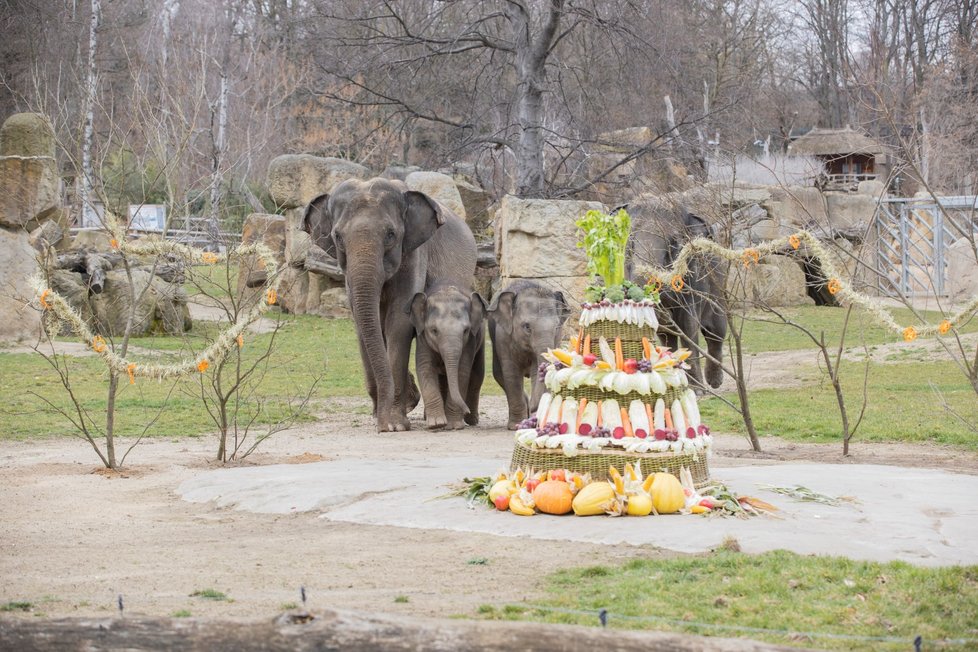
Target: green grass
column 902, row 407
column 210, row 594
column 181, row 613
column 16, row 605
column 760, row 336
column 401, row 599
column 774, row 591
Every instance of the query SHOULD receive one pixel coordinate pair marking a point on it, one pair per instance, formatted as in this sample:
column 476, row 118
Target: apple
column 531, row 484
column 630, row 366
column 558, row 474
column 502, row 502
column 590, row 359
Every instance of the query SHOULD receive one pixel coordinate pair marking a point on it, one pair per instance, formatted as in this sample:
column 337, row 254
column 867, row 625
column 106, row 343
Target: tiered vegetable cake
column 614, row 395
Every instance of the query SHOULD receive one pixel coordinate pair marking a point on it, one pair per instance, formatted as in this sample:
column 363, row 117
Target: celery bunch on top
column 604, row 239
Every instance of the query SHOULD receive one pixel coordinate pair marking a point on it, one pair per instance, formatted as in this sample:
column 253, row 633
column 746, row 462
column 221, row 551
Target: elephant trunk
column 364, row 291
column 451, row 358
column 540, row 345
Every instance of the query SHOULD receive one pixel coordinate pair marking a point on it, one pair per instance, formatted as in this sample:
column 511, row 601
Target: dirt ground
column 75, row 537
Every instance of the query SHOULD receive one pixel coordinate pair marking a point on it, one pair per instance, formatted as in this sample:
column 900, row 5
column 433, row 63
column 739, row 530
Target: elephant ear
column 318, row 223
column 477, row 312
column 421, row 217
column 416, row 308
column 502, row 307
column 563, row 310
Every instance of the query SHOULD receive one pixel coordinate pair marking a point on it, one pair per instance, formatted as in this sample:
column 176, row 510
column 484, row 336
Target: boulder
column 778, row 281
column 162, row 309
column 872, row 187
column 333, row 303
column 95, row 239
column 49, row 234
column 297, row 241
column 476, row 203
column 399, row 172
column 850, row 213
column 270, row 231
column 796, row 207
column 30, row 190
column 293, row 290
column 74, row 289
column 439, row 187
column 18, row 263
column 30, row 186
column 27, row 134
column 962, row 271
column 538, row 237
column 296, row 179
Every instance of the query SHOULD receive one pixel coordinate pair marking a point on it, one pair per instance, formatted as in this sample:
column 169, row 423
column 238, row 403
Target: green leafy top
column 604, row 239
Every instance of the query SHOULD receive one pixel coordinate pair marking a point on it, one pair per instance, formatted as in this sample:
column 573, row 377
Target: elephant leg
column 515, row 397
column 400, row 335
column 689, row 327
column 434, row 405
column 714, row 325
column 368, row 375
column 474, row 385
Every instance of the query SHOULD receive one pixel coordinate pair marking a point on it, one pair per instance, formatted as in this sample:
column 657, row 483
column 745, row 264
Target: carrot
column 627, row 423
column 646, row 348
column 619, row 358
column 574, row 342
column 580, row 413
column 668, row 416
column 587, row 345
column 648, row 413
column 580, row 339
column 599, row 414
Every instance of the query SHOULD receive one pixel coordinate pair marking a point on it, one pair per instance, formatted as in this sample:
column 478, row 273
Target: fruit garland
column 837, row 286
column 57, row 306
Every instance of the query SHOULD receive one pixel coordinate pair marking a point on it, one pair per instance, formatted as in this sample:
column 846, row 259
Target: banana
column 517, row 507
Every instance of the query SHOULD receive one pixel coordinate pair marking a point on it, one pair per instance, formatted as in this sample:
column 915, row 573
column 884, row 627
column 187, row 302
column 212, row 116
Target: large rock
column 30, row 186
column 27, row 134
column 18, row 263
column 850, row 213
column 476, row 203
column 439, row 187
column 538, row 237
column 270, row 231
column 778, row 281
column 796, row 207
column 296, row 179
column 161, row 309
column 30, row 190
column 333, row 303
column 962, row 271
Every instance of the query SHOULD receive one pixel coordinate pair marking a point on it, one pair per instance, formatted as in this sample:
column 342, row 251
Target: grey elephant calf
column 525, row 320
column 450, row 356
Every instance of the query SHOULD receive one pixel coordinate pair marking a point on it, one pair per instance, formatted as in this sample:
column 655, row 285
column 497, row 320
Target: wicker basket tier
column 597, row 463
column 631, row 336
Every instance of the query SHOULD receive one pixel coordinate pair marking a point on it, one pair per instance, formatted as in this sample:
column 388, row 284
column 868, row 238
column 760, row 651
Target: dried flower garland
column 841, row 289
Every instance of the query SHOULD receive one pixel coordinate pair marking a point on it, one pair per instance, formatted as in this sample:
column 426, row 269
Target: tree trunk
column 532, row 50
column 84, row 184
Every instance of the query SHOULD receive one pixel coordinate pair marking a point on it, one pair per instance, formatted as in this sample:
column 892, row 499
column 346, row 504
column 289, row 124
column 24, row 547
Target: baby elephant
column 450, row 356
column 524, row 321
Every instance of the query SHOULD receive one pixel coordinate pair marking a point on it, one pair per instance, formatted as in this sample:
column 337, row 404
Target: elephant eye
column 389, row 237
column 526, row 326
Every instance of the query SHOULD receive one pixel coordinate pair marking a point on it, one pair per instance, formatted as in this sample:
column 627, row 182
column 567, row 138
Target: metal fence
column 913, row 236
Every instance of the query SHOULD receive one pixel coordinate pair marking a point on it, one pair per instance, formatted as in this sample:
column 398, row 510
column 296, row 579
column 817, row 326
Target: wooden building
column 849, row 156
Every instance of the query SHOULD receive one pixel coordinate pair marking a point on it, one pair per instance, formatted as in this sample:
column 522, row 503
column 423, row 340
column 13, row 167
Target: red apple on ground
column 502, row 502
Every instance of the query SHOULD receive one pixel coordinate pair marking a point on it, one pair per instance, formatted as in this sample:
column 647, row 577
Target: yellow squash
column 667, row 494
column 639, row 504
column 594, row 499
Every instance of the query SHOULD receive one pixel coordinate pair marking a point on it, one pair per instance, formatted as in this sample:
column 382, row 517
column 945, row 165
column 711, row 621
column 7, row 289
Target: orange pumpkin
column 553, row 497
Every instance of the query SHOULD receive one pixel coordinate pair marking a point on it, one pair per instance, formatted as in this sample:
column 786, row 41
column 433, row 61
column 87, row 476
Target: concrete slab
column 923, row 516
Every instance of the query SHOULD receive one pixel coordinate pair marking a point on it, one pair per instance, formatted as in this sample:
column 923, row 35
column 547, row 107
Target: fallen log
column 344, row 630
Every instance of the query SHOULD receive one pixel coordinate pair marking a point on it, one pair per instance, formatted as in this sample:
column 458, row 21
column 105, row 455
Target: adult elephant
column 390, row 243
column 658, row 234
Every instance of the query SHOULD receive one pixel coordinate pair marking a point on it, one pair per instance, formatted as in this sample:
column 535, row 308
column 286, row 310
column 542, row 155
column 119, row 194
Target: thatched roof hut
column 849, row 156
column 835, row 142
